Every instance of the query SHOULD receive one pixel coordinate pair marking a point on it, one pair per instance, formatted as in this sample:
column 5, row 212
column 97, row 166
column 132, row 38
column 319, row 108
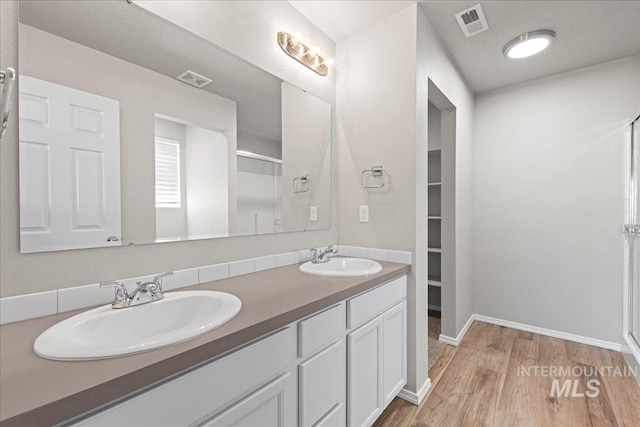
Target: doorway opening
column 441, row 230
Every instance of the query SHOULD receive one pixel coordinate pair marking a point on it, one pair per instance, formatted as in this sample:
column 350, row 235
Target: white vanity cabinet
column 321, row 372
column 249, row 376
column 338, row 367
column 377, row 351
column 394, row 351
column 268, row 406
column 365, row 373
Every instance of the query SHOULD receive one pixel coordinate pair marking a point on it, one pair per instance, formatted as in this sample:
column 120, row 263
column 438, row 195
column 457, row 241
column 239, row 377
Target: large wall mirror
column 133, row 130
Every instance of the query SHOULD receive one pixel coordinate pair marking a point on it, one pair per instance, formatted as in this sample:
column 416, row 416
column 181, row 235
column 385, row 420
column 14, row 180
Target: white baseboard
column 415, row 398
column 456, row 341
column 528, row 328
column 548, row 332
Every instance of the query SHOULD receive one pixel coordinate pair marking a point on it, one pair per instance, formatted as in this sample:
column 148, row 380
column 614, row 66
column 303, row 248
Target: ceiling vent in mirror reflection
column 193, row 79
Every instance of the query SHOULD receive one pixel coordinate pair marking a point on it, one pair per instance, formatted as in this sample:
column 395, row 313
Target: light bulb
column 329, row 62
column 298, row 38
column 528, row 44
column 527, row 48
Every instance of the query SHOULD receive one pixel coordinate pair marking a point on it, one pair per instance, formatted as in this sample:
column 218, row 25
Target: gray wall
column 209, row 212
column 434, row 64
column 246, row 29
column 306, row 149
column 549, row 202
column 376, row 109
column 258, row 144
column 382, row 119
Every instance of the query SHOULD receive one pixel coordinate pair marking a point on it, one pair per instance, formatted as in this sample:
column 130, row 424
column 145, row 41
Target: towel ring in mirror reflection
column 8, row 81
column 301, row 184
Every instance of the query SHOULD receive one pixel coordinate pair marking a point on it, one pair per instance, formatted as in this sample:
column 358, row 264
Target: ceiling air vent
column 472, row 21
column 193, row 79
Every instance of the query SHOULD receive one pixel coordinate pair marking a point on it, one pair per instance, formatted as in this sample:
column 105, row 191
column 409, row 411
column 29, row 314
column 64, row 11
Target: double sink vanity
column 277, row 347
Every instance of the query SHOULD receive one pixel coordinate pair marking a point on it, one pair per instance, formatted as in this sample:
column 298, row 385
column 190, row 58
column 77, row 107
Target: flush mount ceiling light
column 308, row 56
column 528, row 44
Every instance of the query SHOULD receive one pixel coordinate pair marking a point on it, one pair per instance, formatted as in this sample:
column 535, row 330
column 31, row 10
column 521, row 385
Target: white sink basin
column 104, row 332
column 342, row 267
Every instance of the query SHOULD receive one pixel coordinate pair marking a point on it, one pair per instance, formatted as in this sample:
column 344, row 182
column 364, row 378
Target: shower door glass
column 259, row 196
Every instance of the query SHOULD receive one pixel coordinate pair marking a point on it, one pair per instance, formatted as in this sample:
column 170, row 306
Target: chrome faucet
column 143, row 293
column 319, row 256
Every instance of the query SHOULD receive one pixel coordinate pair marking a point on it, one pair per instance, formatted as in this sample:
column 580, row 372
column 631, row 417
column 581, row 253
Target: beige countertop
column 36, row 391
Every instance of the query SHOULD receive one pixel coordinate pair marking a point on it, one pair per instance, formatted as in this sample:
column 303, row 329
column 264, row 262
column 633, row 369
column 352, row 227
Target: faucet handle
column 121, row 290
column 331, row 249
column 112, row 284
column 157, row 279
column 161, row 275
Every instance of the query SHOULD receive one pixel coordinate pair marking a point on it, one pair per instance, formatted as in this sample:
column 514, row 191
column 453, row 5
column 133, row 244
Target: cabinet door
column 269, row 406
column 322, row 384
column 365, row 398
column 336, row 418
column 394, row 355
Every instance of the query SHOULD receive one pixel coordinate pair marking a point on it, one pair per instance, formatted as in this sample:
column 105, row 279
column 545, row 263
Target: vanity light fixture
column 309, row 56
column 528, row 44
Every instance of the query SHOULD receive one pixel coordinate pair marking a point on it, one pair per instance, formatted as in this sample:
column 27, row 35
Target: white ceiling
column 338, row 19
column 588, row 32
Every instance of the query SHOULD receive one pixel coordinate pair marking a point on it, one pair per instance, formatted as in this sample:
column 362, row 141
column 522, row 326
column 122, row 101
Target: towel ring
column 375, row 171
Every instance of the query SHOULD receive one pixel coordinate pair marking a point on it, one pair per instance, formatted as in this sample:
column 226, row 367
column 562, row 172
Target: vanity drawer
column 374, row 302
column 319, row 330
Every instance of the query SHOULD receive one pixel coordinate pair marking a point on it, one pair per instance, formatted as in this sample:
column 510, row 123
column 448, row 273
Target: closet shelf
column 436, row 283
column 435, row 150
column 435, row 250
column 434, row 184
column 434, row 217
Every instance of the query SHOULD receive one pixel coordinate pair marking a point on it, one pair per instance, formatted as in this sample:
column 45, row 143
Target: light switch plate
column 364, row 213
column 313, row 213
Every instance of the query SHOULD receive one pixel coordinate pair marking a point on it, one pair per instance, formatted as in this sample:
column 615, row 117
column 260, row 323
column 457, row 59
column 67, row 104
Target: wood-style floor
column 477, row 384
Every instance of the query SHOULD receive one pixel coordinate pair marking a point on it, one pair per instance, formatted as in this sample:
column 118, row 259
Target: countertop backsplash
column 30, row 306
